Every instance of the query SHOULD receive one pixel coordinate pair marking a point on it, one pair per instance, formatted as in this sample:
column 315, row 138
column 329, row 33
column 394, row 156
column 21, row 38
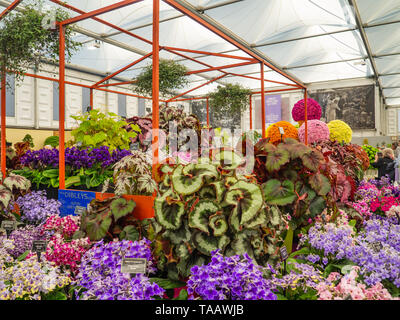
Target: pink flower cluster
column 383, row 203
column 314, row 111
column 66, row 253
column 363, row 208
column 317, row 131
column 66, row 226
column 348, row 287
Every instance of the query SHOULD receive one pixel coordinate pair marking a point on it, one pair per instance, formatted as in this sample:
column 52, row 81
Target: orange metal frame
column 155, row 59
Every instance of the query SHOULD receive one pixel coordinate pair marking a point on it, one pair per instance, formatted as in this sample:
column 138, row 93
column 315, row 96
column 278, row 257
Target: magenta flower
column 314, row 111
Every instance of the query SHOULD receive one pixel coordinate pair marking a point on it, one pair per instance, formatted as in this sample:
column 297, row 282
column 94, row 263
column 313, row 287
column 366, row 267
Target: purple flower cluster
column 23, row 239
column 302, row 276
column 377, row 252
column 330, row 239
column 36, row 208
column 74, row 157
column 376, row 249
column 100, row 272
column 229, row 278
column 42, row 158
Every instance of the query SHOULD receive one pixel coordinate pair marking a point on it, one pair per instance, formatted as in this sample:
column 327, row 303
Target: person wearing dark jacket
column 385, row 164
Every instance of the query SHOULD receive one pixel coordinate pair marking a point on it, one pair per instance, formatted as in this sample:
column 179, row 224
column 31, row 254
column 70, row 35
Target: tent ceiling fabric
column 313, row 40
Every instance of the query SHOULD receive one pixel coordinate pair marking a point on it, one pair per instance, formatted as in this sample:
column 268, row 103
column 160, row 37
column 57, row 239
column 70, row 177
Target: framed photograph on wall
column 353, row 105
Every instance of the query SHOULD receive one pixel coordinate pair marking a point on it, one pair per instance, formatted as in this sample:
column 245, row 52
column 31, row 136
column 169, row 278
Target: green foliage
column 172, row 77
column 207, row 206
column 11, row 188
column 28, row 138
column 371, row 152
column 292, row 179
column 24, row 41
column 109, row 219
column 97, row 129
column 229, row 99
column 52, row 141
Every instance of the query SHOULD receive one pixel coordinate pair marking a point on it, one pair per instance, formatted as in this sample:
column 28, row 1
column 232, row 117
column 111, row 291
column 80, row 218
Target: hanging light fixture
column 93, row 45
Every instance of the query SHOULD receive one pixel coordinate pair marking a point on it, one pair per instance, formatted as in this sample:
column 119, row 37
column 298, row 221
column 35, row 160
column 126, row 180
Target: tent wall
column 36, row 100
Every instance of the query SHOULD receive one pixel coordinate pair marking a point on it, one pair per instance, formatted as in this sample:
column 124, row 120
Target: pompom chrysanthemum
column 340, row 131
column 275, row 136
column 314, row 111
column 316, row 131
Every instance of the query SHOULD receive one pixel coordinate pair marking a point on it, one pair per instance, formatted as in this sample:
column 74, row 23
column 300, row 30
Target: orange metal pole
column 9, row 8
column 208, row 114
column 305, row 116
column 61, row 127
column 3, row 123
column 156, row 84
column 264, row 135
column 251, row 112
column 97, row 12
column 91, row 99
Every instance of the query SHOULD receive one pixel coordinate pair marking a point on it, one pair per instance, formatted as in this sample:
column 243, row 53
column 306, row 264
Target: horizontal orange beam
column 222, row 67
column 94, row 13
column 278, row 90
column 210, row 53
column 85, row 86
column 116, row 83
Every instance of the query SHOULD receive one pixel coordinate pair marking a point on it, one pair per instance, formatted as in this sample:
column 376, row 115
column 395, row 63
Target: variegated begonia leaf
column 247, row 199
column 279, row 193
column 200, row 216
column 5, row 196
column 229, row 160
column 206, row 244
column 19, row 182
column 169, row 213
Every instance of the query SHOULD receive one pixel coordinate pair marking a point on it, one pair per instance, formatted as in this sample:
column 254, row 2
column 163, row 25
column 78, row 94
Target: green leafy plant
column 109, row 219
column 52, row 141
column 24, row 42
column 11, row 188
column 291, row 179
column 98, row 129
column 229, row 99
column 207, row 206
column 172, row 77
column 28, row 138
column 132, row 175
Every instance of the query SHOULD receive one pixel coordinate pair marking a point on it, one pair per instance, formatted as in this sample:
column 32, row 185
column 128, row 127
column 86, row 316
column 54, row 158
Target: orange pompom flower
column 275, row 136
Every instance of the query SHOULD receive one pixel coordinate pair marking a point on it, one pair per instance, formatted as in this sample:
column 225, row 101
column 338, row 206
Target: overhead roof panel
column 384, row 39
column 374, row 12
column 260, row 21
column 333, row 71
column 329, row 48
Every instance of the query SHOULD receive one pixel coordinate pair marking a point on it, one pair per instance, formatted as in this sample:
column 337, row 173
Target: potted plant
column 24, row 42
column 172, row 77
column 231, row 99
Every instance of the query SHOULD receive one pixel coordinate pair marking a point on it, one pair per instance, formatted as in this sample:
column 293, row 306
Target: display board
column 70, row 199
column 353, row 105
column 273, row 108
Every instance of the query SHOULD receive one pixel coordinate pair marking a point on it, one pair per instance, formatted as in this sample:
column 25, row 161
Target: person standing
column 385, row 163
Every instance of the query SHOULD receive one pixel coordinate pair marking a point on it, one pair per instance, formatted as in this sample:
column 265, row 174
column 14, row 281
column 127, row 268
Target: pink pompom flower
column 316, row 131
column 314, row 111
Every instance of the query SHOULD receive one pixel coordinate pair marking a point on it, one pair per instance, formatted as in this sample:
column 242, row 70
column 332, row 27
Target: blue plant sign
column 70, row 199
